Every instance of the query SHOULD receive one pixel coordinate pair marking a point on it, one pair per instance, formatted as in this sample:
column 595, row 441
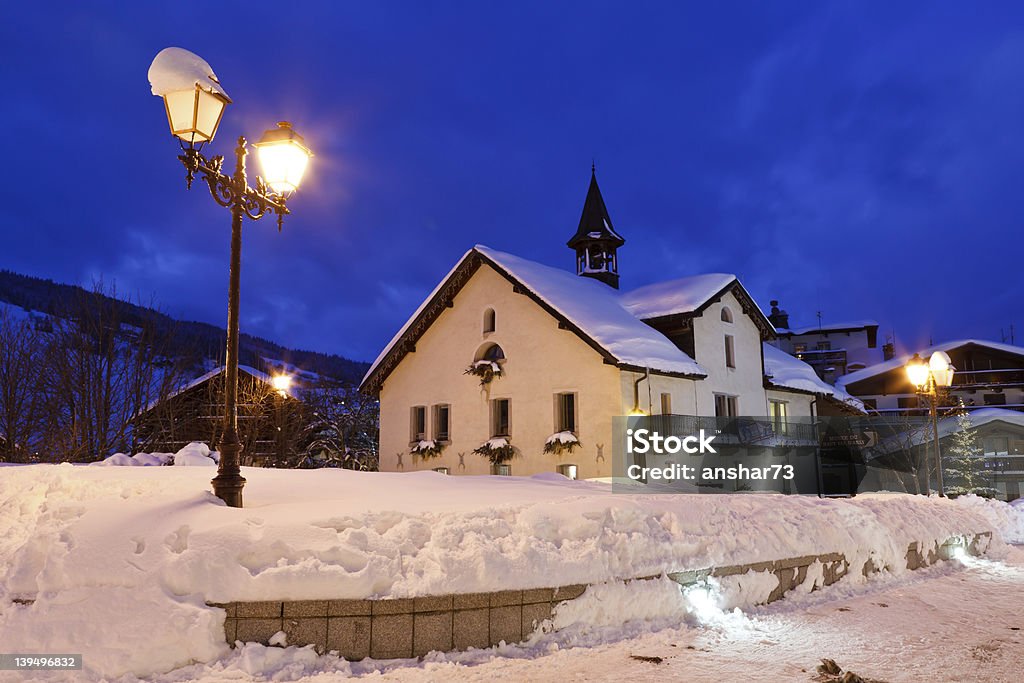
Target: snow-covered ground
column 958, row 622
column 120, row 561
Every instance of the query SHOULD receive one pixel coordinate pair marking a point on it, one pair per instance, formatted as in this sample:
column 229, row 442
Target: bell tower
column 596, row 241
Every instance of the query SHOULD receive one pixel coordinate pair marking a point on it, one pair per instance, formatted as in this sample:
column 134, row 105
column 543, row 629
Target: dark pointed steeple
column 596, row 241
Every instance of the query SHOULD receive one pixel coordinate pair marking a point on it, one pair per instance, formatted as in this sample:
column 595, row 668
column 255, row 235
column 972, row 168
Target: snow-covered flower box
column 497, row 450
column 486, row 370
column 426, row 449
column 561, row 442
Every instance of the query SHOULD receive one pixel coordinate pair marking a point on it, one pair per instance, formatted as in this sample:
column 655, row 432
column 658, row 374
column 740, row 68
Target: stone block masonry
column 391, row 628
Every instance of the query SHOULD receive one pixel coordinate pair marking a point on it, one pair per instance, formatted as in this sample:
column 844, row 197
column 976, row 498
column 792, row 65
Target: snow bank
column 1008, row 519
column 194, row 454
column 120, row 560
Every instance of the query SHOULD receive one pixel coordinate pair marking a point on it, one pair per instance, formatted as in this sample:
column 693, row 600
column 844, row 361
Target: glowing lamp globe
column 917, row 371
column 282, row 383
column 192, row 94
column 283, row 156
column 941, row 368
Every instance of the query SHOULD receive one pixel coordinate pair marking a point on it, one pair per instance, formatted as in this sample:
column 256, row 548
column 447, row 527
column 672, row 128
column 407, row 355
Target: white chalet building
column 511, row 352
column 832, row 349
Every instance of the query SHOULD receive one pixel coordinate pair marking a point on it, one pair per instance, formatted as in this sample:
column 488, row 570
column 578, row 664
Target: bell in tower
column 596, row 241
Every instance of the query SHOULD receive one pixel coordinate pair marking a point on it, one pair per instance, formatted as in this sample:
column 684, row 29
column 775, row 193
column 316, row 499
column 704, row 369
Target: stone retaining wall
column 411, row 627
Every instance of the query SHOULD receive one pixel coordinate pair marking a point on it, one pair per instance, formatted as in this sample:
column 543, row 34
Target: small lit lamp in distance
column 282, row 383
column 917, row 372
column 931, row 379
column 194, row 101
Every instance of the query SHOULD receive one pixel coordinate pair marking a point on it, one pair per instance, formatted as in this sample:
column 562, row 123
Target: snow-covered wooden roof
column 253, row 372
column 898, row 362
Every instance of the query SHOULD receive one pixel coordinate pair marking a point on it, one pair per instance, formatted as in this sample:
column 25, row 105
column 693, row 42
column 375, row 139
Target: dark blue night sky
column 861, row 159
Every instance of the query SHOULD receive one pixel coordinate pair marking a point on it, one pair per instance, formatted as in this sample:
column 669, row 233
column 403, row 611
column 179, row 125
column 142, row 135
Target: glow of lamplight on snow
column 703, row 603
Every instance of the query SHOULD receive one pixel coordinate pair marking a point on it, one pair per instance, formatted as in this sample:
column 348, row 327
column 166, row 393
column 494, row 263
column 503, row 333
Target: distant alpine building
column 514, row 367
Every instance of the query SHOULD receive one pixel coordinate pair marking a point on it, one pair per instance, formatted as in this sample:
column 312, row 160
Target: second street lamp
column 932, row 379
column 195, row 101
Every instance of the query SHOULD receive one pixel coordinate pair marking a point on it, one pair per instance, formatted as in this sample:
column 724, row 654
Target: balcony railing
column 829, row 357
column 752, row 431
column 988, row 378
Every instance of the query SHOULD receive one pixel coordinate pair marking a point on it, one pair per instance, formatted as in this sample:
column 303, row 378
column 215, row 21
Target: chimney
column 778, row 318
column 888, row 351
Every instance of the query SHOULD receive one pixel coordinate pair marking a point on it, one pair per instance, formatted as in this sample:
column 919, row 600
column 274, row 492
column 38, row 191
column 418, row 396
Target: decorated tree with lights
column 964, row 461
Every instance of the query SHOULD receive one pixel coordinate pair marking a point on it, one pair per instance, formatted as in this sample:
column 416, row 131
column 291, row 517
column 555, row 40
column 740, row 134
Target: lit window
column 565, row 412
column 777, row 412
column 567, row 471
column 441, row 426
column 441, row 470
column 418, row 423
column 500, row 417
column 730, row 352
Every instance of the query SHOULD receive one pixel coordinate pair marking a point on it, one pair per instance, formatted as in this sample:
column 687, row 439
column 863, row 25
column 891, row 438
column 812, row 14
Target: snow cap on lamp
column 193, row 96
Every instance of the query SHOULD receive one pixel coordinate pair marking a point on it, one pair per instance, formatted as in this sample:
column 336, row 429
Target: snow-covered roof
column 789, row 372
column 828, row 327
column 982, row 416
column 593, row 307
column 597, row 310
column 176, row 68
column 919, row 432
column 900, row 361
column 684, row 295
column 258, row 374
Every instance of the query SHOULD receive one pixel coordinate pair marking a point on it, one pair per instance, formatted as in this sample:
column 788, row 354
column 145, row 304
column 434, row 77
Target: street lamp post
column 931, row 379
column 195, row 102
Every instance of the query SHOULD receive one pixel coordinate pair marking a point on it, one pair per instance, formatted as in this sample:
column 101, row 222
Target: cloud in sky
column 859, row 159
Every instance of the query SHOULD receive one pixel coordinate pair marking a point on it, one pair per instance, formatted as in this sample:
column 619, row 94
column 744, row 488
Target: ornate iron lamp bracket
column 233, row 191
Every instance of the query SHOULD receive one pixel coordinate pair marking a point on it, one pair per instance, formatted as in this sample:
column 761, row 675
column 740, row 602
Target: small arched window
column 491, row 352
column 726, row 315
column 489, row 321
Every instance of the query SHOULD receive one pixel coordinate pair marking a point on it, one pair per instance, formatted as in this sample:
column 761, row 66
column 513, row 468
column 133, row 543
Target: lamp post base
column 228, row 483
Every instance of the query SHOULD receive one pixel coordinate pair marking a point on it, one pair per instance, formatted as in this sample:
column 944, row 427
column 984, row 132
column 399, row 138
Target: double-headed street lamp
column 195, row 103
column 932, row 379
